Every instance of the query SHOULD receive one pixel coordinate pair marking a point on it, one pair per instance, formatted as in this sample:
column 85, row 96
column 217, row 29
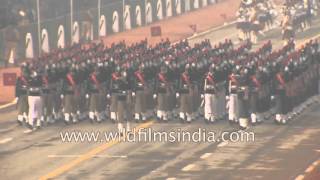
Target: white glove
column 177, row 95
column 87, row 96
column 227, row 98
column 154, row 96
column 61, row 96
column 202, row 96
column 108, row 96
column 133, row 93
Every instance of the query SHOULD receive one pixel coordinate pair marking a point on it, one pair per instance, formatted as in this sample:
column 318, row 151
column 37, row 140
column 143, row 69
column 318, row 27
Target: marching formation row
column 169, row 81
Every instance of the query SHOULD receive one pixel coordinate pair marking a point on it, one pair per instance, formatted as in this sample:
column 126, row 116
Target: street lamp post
column 71, row 20
column 145, row 11
column 99, row 10
column 39, row 28
column 99, row 17
column 123, row 15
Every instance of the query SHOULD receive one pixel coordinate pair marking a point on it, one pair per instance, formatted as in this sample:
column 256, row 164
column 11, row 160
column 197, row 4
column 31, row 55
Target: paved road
column 278, row 152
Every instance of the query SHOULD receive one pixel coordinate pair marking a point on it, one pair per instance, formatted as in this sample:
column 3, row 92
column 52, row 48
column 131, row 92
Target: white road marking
column 171, row 178
column 6, row 140
column 7, row 105
column 27, row 131
column 206, row 155
column 76, row 156
column 309, row 169
column 297, row 139
column 300, row 177
column 188, row 167
column 224, row 143
column 259, row 168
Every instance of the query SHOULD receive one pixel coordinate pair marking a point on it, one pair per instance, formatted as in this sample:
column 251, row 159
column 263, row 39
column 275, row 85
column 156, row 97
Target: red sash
column 95, row 80
column 233, row 79
column 23, row 79
column 71, row 80
column 185, row 78
column 210, row 78
column 255, row 81
column 162, row 77
column 115, row 76
column 73, row 83
column 280, row 79
column 45, row 80
column 140, row 76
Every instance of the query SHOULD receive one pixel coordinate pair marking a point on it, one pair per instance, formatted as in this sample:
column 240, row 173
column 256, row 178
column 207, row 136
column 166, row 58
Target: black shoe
column 243, row 128
column 29, row 126
column 66, row 122
column 20, row 123
column 91, row 121
column 182, row 120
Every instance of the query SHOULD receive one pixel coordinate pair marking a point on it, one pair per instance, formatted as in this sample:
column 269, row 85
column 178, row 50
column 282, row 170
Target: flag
column 155, row 31
column 193, row 27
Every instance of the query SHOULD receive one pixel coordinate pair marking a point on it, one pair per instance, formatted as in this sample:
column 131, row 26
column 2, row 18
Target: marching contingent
column 169, row 82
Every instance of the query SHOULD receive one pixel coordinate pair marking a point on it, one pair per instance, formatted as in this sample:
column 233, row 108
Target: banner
column 155, row 31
